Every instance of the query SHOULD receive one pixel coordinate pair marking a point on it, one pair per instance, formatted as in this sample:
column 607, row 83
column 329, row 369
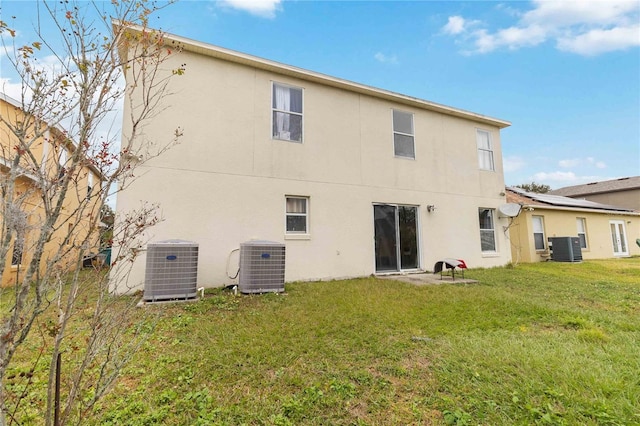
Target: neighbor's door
column 396, row 237
column 618, row 238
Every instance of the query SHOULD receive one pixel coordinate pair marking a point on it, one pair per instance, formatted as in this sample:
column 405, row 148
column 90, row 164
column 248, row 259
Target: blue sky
column 566, row 74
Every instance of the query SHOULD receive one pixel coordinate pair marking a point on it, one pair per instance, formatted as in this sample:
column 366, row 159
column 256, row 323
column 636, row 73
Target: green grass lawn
column 546, row 343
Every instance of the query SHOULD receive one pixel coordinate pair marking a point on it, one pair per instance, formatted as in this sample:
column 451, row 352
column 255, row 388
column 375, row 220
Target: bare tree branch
column 50, row 212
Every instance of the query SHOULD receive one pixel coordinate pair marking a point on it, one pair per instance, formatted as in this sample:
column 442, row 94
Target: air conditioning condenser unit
column 171, row 270
column 262, row 265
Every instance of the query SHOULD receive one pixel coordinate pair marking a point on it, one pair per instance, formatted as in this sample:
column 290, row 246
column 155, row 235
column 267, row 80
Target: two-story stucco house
column 353, row 179
column 49, row 154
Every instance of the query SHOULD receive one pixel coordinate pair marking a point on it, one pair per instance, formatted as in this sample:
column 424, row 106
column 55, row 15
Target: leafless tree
column 50, row 218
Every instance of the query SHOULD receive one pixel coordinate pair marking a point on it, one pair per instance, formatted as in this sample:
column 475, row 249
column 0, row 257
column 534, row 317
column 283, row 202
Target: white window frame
column 89, row 183
column 537, row 224
column 485, row 152
column 492, row 230
column 275, row 110
column 403, row 134
column 581, row 225
column 304, row 214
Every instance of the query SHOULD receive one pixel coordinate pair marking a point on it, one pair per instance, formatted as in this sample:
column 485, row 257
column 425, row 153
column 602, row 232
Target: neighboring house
column 50, row 153
column 624, row 192
column 354, row 180
column 604, row 231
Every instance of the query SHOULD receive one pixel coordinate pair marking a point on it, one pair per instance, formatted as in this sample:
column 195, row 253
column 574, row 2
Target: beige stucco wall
column 227, row 181
column 563, row 223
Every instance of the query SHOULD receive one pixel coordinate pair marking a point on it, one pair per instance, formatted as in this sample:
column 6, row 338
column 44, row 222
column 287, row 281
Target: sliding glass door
column 396, row 237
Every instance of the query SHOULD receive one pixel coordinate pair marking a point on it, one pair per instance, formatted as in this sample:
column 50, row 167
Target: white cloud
column 577, row 162
column 599, row 41
column 559, row 179
column 555, row 177
column 596, row 164
column 381, row 57
column 455, row 25
column 568, row 13
column 566, row 164
column 512, row 38
column 262, row 8
column 583, row 27
column 13, row 90
column 512, row 164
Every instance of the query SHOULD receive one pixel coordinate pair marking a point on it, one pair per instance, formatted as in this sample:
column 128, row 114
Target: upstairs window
column 485, row 150
column 287, row 113
column 538, row 232
column 487, row 230
column 403, row 137
column 297, row 216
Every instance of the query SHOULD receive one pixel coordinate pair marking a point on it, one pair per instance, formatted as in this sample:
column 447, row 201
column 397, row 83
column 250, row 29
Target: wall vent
column 262, row 265
column 565, row 249
column 172, row 270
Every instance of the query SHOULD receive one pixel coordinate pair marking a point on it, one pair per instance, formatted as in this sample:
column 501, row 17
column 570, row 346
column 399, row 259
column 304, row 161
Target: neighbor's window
column 18, row 249
column 485, row 150
column 20, row 220
column 297, row 215
column 287, row 113
column 45, row 150
column 487, row 230
column 403, row 137
column 89, row 184
column 538, row 232
column 581, row 223
column 62, row 160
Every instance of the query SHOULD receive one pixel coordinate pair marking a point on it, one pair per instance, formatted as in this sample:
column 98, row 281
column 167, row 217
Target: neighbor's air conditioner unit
column 565, row 249
column 262, row 266
column 172, row 270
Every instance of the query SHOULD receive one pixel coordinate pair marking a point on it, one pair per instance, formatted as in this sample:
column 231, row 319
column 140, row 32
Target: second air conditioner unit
column 262, row 265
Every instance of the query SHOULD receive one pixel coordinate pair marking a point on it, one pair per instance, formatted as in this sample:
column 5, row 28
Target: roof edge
column 583, row 210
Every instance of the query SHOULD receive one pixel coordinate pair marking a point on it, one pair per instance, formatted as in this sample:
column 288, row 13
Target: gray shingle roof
column 615, row 185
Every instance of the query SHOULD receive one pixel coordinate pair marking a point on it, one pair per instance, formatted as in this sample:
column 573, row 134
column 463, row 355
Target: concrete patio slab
column 427, row 278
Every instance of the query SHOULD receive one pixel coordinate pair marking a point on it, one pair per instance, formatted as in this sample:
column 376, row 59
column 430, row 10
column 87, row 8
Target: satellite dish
column 509, row 210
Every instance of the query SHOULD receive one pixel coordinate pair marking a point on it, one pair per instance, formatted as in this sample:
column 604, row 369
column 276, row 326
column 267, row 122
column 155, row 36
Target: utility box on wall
column 565, row 249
